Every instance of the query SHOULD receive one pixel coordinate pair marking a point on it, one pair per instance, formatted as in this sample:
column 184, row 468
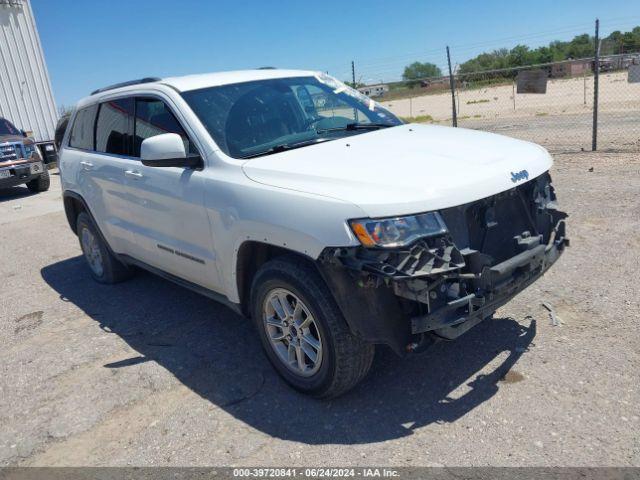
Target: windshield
column 261, row 117
column 7, row 128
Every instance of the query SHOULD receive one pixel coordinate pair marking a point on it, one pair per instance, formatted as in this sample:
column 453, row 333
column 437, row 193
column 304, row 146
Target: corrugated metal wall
column 26, row 98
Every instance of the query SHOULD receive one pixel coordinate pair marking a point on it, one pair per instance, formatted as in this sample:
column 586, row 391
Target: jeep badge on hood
column 521, row 175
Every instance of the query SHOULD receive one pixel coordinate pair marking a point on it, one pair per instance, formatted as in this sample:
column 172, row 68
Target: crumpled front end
column 444, row 285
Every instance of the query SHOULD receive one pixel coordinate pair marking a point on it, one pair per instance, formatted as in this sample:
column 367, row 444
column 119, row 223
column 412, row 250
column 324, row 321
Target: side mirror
column 167, row 150
column 24, row 133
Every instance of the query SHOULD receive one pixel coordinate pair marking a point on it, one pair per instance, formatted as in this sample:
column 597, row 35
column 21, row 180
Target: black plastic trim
column 190, row 161
column 218, row 297
column 372, row 312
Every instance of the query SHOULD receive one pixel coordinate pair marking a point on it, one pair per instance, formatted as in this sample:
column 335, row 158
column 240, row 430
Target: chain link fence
column 551, row 104
column 558, row 115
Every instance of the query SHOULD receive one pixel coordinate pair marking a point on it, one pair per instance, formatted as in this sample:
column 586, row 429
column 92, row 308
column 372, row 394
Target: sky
column 92, row 43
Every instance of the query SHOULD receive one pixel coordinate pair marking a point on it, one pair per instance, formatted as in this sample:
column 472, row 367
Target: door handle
column 87, row 165
column 133, row 174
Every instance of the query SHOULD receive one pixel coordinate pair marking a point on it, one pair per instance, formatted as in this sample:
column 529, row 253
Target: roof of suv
column 203, row 80
column 195, row 82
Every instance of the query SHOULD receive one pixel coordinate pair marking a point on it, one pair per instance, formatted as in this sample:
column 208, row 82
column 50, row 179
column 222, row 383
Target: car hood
column 15, row 138
column 405, row 169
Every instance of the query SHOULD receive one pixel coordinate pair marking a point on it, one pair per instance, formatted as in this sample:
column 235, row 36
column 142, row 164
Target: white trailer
column 26, row 98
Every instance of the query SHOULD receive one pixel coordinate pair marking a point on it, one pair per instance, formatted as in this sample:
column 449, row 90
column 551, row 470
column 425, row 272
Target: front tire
column 303, row 332
column 103, row 265
column 40, row 184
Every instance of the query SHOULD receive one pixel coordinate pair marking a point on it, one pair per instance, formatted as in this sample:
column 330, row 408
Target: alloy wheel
column 292, row 332
column 91, row 250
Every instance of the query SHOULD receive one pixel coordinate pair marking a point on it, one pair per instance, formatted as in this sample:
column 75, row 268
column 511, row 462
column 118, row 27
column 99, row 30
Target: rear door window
column 82, row 133
column 153, row 117
column 115, row 126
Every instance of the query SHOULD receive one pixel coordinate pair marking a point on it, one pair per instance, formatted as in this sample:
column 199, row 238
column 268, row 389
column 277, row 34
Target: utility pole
column 452, row 84
column 596, row 75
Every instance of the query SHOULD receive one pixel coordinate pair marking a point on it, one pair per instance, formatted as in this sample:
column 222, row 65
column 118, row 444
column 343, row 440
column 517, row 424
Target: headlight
column 29, row 150
column 398, row 231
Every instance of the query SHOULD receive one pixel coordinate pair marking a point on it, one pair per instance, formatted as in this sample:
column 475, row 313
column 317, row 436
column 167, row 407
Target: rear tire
column 103, row 265
column 342, row 359
column 40, row 184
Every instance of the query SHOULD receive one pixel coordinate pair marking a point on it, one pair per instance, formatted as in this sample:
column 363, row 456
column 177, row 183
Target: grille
column 9, row 151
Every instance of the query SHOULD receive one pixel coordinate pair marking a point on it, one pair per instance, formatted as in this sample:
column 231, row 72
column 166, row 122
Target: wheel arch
column 74, row 204
column 251, row 256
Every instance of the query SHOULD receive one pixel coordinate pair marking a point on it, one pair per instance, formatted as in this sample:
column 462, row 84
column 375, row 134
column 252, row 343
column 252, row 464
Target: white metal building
column 26, row 98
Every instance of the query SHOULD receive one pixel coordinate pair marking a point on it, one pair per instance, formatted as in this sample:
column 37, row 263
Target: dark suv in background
column 20, row 160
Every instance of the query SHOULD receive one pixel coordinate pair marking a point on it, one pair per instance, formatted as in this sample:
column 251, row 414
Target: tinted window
column 7, row 128
column 153, row 117
column 82, row 132
column 115, row 123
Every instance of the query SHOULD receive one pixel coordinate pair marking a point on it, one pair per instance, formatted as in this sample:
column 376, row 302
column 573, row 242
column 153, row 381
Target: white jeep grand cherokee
column 310, row 208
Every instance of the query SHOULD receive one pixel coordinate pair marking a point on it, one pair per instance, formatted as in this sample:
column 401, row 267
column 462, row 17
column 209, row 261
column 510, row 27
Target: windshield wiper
column 284, row 147
column 356, row 126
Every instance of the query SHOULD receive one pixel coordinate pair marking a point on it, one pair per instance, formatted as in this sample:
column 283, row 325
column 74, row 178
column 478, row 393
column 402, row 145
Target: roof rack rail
column 126, row 84
column 267, row 68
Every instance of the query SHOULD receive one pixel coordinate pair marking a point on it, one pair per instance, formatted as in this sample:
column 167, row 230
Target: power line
column 388, row 62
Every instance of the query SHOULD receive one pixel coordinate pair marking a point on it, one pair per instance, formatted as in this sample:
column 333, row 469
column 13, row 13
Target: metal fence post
column 353, row 79
column 353, row 73
column 596, row 74
column 452, row 84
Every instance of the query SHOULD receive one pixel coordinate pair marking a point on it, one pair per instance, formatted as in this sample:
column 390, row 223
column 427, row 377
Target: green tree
column 581, row 46
column 353, row 85
column 487, row 61
column 417, row 71
column 520, row 55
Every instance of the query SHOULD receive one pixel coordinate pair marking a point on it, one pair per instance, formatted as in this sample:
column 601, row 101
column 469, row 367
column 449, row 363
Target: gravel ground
column 566, row 133
column 147, row 373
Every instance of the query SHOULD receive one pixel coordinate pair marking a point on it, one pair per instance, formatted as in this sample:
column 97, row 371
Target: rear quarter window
column 82, row 133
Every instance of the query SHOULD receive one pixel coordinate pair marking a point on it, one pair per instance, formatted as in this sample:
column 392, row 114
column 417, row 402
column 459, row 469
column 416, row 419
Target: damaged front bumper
column 494, row 286
column 443, row 286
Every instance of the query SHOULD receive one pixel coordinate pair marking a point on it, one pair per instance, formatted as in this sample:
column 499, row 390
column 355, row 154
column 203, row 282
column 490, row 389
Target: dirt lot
column 147, row 373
